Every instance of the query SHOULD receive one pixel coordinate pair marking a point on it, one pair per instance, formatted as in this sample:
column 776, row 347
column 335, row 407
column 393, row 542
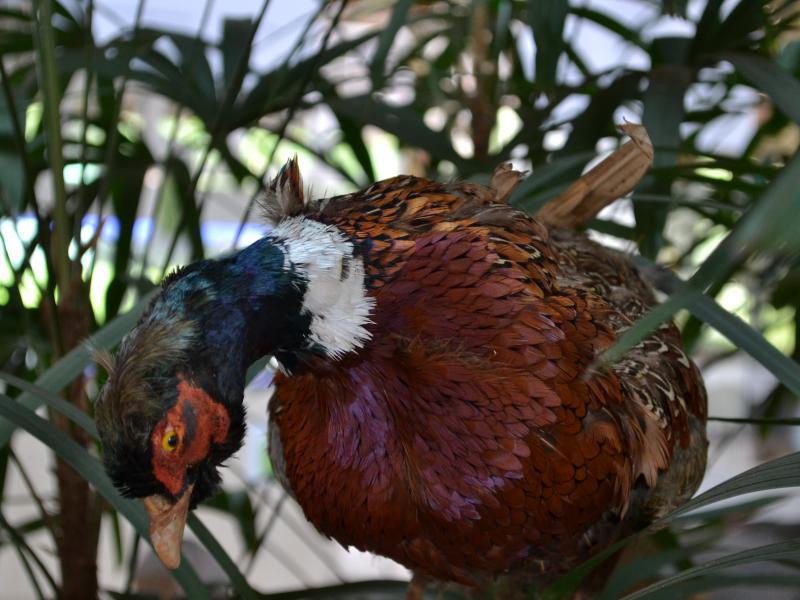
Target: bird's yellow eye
column 170, row 441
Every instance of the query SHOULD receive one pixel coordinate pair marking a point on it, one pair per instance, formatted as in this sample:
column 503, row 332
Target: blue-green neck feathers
column 240, row 308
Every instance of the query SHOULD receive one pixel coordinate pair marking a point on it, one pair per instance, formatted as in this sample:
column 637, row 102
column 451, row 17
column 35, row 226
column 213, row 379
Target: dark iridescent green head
column 171, row 411
column 162, row 367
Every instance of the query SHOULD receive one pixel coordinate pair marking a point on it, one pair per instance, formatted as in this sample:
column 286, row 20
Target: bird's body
column 441, row 400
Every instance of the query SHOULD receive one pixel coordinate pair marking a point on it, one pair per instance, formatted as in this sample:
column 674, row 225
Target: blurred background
column 136, row 135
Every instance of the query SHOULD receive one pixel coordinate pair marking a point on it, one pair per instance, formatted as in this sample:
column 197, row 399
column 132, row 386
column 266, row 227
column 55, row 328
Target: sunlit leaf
column 758, row 229
column 732, row 327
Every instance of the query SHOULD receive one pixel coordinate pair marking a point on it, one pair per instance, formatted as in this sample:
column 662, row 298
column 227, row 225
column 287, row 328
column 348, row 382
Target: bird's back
column 475, row 433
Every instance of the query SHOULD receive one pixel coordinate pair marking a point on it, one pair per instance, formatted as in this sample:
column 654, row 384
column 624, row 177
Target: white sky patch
column 336, row 296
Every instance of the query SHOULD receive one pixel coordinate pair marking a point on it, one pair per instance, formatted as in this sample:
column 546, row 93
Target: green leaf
column 276, row 89
column 346, row 591
column 18, row 539
column 386, row 39
column 211, row 544
column 72, row 412
column 4, row 459
column 400, row 121
column 611, row 24
column 24, row 551
column 789, row 57
column 627, row 575
column 547, row 22
column 789, row 550
column 735, row 32
column 352, row 137
column 663, row 115
column 598, row 119
column 501, row 29
column 756, row 421
column 91, row 470
column 180, row 186
column 748, row 339
column 23, row 17
column 567, row 584
column 746, row 508
column 675, row 8
column 238, row 505
column 12, row 166
column 613, row 228
column 186, row 78
column 236, row 50
column 732, row 327
column 707, row 27
column 74, row 362
column 196, row 78
column 679, row 546
column 50, row 86
column 776, row 474
column 125, row 186
column 694, row 587
column 770, row 77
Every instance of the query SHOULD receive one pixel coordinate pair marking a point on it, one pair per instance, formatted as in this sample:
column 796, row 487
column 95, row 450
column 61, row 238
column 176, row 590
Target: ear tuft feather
column 284, row 196
column 104, row 359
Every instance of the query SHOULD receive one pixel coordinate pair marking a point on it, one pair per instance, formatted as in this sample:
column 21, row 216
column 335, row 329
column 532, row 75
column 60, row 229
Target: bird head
column 166, row 425
column 172, row 409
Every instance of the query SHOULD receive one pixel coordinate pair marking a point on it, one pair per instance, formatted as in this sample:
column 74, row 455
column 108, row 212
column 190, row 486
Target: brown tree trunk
column 481, row 102
column 80, row 509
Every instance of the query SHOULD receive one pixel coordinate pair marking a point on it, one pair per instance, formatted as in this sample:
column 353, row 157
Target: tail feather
column 611, row 179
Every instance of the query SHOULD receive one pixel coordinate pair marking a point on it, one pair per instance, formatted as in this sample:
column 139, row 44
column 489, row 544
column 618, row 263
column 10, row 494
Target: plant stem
column 79, row 506
column 50, row 86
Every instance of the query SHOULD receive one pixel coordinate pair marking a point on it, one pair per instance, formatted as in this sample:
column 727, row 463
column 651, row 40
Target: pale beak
column 167, row 521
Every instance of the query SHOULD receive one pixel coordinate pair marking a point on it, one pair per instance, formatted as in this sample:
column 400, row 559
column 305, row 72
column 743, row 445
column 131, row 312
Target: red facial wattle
column 197, row 422
column 182, row 439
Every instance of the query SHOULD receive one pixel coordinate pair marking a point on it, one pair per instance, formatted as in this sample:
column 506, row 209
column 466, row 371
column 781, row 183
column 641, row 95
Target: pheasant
column 439, row 400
